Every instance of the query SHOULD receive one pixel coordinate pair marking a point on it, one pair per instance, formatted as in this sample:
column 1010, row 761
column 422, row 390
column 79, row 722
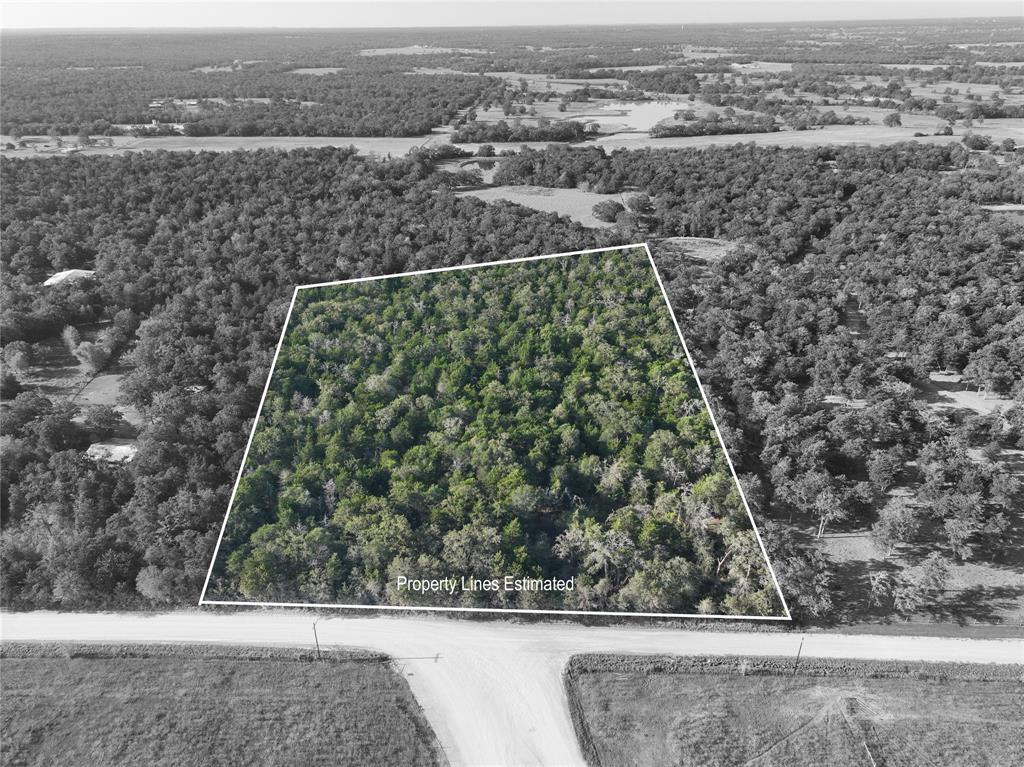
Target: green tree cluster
column 536, row 419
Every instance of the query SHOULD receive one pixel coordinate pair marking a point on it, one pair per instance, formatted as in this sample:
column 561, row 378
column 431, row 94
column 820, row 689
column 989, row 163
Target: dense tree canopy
column 238, row 103
column 858, row 272
column 863, row 271
column 535, row 419
column 204, row 249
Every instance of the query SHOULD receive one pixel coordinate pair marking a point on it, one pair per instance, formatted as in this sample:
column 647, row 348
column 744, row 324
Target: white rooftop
column 68, row 274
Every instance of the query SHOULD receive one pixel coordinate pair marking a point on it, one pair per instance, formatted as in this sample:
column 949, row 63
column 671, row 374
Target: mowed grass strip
column 200, row 705
column 647, row 710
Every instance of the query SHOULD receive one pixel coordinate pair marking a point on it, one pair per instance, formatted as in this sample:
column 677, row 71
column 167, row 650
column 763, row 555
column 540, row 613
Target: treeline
column 361, row 103
column 757, row 90
column 534, row 420
column 998, row 74
column 713, row 125
column 501, row 131
column 204, row 249
column 798, row 114
column 864, row 271
column 669, row 80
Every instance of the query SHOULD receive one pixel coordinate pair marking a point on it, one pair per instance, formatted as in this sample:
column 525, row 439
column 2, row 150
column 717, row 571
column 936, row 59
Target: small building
column 112, row 451
column 68, row 274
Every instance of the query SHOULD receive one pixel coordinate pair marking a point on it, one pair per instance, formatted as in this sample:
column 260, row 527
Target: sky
column 71, row 14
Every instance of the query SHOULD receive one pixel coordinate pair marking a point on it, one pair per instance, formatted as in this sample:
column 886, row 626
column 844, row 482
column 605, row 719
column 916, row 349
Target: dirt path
column 493, row 690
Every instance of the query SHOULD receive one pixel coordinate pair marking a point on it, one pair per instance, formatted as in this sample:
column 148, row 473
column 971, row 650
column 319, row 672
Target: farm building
column 68, row 274
column 112, row 451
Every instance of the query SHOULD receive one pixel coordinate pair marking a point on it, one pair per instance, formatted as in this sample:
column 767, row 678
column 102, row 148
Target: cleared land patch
column 756, row 711
column 574, row 203
column 206, row 705
column 705, row 249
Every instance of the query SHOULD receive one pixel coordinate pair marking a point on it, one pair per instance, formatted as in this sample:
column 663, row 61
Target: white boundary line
column 420, row 608
column 721, row 440
column 245, row 457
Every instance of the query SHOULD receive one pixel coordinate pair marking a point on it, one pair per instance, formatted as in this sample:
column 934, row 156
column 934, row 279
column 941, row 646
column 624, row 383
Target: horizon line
column 210, row 28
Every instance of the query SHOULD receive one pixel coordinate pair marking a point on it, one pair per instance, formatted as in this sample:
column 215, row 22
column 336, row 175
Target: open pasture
column 574, row 203
column 206, row 705
column 737, row 711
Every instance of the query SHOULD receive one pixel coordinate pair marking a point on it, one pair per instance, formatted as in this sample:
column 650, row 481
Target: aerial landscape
column 526, row 435
column 280, row 326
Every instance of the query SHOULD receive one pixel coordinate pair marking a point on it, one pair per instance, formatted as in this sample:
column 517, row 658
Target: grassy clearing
column 701, row 248
column 639, row 710
column 205, row 705
column 574, row 203
column 55, row 373
column 988, row 590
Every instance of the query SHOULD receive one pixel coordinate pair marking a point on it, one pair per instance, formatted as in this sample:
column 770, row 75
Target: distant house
column 68, row 274
column 112, row 451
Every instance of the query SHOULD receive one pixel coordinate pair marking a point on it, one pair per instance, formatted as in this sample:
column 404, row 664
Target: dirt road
column 493, row 690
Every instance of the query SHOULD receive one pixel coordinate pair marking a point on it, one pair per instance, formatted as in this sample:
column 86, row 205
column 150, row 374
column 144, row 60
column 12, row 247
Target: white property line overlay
column 721, row 440
column 693, row 368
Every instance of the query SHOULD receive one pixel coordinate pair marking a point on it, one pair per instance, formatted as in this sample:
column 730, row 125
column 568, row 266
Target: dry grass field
column 54, row 372
column 196, row 705
column 574, row 203
column 643, row 710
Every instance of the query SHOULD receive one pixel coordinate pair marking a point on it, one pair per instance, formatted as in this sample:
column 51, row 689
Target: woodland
column 321, row 83
column 856, row 276
column 200, row 253
column 533, row 420
column 861, row 272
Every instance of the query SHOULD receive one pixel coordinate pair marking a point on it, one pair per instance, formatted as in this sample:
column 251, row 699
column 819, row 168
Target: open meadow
column 577, row 204
column 641, row 710
column 207, row 705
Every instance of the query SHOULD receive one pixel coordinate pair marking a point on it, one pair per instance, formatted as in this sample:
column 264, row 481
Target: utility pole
column 798, row 651
column 317, row 640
